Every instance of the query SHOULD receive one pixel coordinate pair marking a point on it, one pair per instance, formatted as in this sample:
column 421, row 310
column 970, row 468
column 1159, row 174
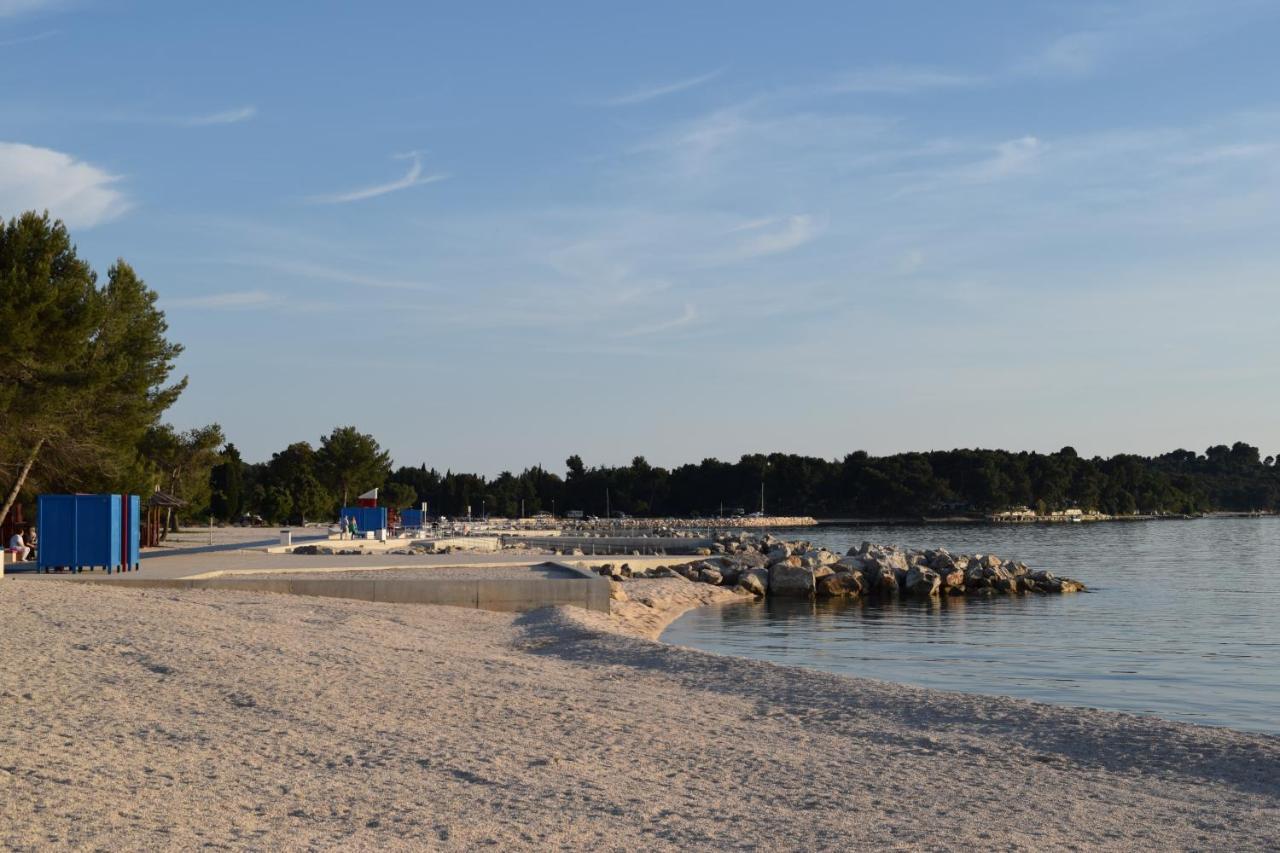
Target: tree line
column 86, row 376
column 299, row 482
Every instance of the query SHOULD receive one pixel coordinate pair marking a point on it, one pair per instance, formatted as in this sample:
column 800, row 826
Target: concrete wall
column 616, row 545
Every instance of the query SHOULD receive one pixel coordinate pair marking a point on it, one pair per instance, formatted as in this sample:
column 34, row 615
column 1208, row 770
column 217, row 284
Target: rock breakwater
column 768, row 566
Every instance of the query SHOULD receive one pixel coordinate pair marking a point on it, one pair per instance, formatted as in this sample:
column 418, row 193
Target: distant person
column 19, row 547
column 31, row 541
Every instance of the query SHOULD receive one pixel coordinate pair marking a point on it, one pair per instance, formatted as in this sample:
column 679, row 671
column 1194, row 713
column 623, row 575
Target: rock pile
column 773, row 567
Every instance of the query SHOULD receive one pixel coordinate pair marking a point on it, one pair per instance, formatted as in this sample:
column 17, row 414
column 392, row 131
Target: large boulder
column 975, row 579
column 755, row 581
column 787, row 581
column 746, row 559
column 777, row 552
column 885, row 556
column 849, row 564
column 710, row 576
column 821, row 557
column 730, row 574
column 880, row 581
column 953, row 579
column 922, row 582
column 941, row 561
column 840, row 585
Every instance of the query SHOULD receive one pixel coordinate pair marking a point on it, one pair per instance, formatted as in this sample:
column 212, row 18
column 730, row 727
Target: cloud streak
column 230, row 299
column 896, row 80
column 47, row 34
column 9, row 8
column 687, row 316
column 34, row 178
column 654, row 92
column 412, row 178
column 769, row 237
column 233, row 116
column 334, row 275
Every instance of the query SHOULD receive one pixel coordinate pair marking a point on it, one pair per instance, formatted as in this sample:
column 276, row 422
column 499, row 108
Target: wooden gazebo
column 159, row 508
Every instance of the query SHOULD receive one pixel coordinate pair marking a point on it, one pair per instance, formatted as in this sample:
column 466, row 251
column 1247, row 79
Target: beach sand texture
column 154, row 719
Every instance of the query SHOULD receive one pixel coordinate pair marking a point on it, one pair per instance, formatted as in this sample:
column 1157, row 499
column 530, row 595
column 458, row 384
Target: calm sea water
column 1181, row 622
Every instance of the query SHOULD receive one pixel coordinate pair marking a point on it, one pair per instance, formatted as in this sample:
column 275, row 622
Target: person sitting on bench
column 19, row 547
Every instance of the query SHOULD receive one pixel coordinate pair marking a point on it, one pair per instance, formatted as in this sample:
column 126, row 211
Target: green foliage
column 183, row 462
column 288, row 490
column 350, row 462
column 905, row 485
column 397, row 495
column 226, row 485
column 83, row 368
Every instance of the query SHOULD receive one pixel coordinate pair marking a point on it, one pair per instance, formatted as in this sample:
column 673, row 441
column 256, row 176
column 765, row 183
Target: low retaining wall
column 585, row 590
column 614, row 545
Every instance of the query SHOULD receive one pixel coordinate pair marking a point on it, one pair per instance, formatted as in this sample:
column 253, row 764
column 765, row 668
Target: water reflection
column 1181, row 622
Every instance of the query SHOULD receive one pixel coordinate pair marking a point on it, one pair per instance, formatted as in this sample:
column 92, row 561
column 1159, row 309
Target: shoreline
column 324, row 723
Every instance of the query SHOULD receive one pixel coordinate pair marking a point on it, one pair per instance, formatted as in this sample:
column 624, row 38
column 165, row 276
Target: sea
column 1181, row 620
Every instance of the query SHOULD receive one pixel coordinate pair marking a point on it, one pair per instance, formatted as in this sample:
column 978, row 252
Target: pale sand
column 145, row 719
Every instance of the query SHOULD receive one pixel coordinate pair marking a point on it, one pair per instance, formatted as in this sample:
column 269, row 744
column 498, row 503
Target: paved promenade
column 243, row 551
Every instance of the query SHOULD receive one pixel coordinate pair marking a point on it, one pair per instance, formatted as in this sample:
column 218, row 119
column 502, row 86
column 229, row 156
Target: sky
column 497, row 234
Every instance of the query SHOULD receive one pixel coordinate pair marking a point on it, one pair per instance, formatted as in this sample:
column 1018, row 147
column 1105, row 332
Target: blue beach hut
column 88, row 531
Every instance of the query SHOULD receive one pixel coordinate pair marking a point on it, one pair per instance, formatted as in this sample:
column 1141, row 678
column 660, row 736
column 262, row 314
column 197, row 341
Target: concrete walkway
column 196, row 564
column 240, row 561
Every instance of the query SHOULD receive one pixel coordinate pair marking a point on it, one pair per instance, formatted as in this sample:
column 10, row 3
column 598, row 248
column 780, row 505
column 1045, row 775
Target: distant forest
column 301, row 483
column 860, row 485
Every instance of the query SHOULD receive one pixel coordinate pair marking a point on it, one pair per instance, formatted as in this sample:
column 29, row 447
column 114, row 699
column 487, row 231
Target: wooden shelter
column 160, row 507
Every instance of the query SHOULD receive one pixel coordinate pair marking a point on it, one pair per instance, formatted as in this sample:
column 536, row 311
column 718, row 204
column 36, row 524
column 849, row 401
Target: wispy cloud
column 1108, row 33
column 17, row 7
column 33, row 178
column 412, row 178
column 653, row 92
column 1012, row 157
column 897, row 80
column 769, row 237
column 233, row 116
column 687, row 316
column 230, row 299
column 47, row 34
column 333, row 274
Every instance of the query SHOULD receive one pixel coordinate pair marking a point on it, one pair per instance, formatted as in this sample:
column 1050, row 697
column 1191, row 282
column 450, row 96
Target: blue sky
column 494, row 234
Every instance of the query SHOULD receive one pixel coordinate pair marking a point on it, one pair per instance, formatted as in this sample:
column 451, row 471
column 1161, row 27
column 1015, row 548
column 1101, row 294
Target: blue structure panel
column 367, row 517
column 88, row 531
column 55, row 526
column 412, row 518
column 133, row 527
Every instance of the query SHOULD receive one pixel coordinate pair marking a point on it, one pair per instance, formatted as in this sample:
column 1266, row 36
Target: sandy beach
column 171, row 720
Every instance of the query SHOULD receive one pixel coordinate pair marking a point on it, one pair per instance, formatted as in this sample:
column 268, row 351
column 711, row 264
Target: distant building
column 1020, row 513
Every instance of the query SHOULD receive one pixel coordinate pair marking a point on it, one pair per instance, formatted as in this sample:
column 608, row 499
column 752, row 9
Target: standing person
column 31, row 541
column 19, row 547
